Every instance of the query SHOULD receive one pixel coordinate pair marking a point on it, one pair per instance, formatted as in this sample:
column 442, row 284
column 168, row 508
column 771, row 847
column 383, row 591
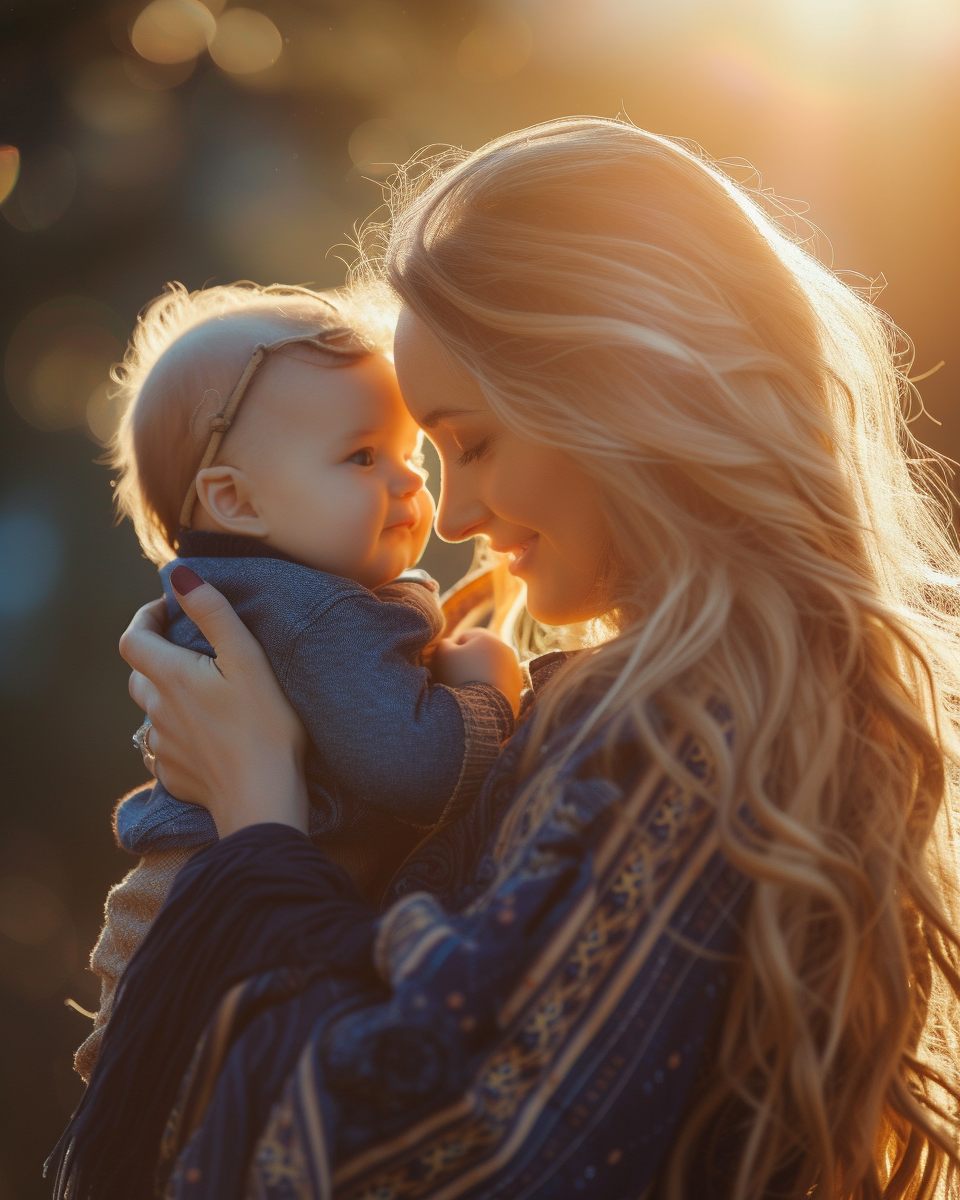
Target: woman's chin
column 556, row 607
column 549, row 610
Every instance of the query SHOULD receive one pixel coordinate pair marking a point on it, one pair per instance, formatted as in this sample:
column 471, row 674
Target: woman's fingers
column 142, row 692
column 151, row 760
column 212, row 614
column 153, row 616
column 143, row 637
column 223, row 733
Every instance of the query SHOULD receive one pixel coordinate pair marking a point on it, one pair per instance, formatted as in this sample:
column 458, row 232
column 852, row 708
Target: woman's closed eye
column 477, row 451
column 363, row 458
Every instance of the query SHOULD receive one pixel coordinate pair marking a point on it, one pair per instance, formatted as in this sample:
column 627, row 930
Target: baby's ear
column 226, row 503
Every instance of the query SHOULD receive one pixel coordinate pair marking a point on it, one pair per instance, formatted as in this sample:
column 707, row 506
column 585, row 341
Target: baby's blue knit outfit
column 392, row 754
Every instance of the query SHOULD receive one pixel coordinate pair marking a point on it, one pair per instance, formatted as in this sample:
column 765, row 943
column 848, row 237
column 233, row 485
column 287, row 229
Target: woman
column 698, row 936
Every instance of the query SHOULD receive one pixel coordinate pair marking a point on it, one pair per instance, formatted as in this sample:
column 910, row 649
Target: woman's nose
column 460, row 514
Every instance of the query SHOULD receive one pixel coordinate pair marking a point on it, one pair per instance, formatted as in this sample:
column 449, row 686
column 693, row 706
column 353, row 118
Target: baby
column 266, row 446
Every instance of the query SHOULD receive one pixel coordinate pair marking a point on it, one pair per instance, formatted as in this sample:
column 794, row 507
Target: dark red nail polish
column 184, row 580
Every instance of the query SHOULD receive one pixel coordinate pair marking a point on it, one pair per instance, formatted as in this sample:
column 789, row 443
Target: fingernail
column 184, row 580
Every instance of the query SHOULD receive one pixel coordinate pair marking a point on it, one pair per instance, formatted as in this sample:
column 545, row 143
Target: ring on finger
column 141, row 739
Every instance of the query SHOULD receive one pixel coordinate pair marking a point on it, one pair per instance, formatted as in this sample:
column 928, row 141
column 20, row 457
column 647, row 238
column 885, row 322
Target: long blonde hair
column 780, row 537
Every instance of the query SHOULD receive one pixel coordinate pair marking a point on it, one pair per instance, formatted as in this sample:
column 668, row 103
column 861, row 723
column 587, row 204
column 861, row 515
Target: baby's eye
column 363, row 458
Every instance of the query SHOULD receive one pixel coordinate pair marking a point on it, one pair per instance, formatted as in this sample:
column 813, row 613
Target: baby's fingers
column 468, row 635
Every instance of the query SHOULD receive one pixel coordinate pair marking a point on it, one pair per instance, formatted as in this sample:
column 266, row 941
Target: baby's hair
column 186, row 355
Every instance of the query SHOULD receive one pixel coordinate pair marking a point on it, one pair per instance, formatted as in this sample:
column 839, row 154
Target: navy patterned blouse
column 530, row 1017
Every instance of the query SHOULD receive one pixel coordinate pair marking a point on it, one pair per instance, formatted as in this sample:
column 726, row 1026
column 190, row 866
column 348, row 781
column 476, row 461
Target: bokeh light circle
column 246, row 41
column 57, row 358
column 108, row 101
column 377, row 147
column 44, row 190
column 103, row 413
column 38, row 944
column 172, row 31
column 31, row 539
column 498, row 46
column 9, row 170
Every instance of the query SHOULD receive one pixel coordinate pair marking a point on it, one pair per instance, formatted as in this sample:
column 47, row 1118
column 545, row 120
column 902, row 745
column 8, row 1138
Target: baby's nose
column 407, row 481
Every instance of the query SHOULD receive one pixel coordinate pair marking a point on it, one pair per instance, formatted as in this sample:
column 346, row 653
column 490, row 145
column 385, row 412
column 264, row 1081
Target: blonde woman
column 698, row 937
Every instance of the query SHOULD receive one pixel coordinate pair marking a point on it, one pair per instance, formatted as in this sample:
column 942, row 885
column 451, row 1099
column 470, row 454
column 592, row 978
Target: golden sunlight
column 172, row 31
column 245, row 41
column 9, row 170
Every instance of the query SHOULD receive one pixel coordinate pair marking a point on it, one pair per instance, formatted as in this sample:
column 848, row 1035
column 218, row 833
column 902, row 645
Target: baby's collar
column 208, row 543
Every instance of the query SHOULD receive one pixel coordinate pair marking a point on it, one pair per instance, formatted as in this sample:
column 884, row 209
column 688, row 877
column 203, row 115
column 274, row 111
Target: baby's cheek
column 426, row 505
column 421, row 535
column 363, row 518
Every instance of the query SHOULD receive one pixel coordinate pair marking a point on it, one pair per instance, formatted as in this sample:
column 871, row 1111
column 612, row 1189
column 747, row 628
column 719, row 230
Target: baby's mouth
column 408, row 523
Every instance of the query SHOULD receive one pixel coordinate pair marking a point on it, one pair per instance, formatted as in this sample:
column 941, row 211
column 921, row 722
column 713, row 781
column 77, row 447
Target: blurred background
column 143, row 142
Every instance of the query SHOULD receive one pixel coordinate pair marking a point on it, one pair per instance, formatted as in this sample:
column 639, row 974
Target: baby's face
column 331, row 458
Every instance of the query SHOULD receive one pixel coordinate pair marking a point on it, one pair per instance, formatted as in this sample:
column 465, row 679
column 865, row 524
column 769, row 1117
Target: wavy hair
column 780, row 538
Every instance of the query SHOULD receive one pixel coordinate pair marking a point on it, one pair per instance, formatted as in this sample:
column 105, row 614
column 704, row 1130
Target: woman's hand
column 224, row 734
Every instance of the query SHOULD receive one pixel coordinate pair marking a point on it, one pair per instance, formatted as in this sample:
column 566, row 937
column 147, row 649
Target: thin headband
column 222, row 420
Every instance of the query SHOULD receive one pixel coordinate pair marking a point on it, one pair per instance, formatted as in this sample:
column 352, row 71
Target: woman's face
column 530, row 500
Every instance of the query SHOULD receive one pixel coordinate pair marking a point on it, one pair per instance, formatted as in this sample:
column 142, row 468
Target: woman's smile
column 521, row 554
column 530, row 500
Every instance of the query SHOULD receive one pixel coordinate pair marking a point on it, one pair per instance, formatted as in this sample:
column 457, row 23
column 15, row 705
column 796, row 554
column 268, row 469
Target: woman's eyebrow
column 442, row 414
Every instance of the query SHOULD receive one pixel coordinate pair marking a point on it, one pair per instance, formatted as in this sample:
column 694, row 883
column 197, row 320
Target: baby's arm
column 382, row 726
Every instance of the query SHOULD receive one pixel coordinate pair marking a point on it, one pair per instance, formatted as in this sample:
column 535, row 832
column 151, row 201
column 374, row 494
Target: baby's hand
column 478, row 656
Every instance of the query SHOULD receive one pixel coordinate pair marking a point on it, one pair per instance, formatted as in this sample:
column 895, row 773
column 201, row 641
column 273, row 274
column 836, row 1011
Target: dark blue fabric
column 391, row 1060
column 386, row 743
column 385, row 1050
column 263, row 899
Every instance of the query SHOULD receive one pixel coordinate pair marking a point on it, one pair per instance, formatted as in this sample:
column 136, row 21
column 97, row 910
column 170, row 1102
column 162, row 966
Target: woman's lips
column 521, row 554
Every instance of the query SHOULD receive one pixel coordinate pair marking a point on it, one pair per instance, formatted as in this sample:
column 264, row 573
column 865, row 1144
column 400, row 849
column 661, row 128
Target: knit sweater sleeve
column 383, row 729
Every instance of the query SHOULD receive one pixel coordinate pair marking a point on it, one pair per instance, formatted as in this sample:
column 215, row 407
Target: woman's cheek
column 509, row 494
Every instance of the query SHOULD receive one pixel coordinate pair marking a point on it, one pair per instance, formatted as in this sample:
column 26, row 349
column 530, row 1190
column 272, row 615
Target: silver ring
column 141, row 739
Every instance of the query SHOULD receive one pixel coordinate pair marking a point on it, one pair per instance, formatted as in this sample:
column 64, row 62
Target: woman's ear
column 227, row 502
